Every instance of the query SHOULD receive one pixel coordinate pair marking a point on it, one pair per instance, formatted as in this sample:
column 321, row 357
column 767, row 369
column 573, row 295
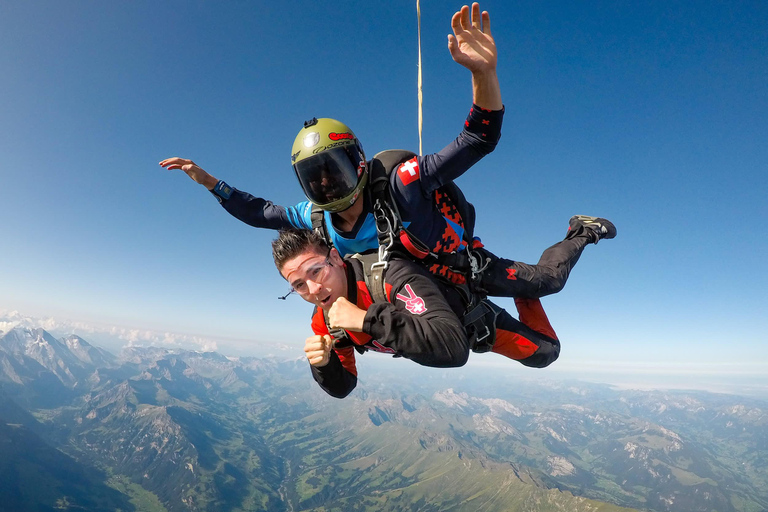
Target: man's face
column 318, row 277
column 328, row 188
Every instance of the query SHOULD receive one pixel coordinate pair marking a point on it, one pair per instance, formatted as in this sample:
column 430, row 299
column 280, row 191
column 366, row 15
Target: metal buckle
column 383, row 257
column 487, row 333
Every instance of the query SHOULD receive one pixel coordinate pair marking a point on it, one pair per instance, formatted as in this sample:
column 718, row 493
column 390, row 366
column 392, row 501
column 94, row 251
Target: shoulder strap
column 379, row 170
column 317, row 217
column 373, row 270
column 389, row 225
column 382, row 165
column 386, row 213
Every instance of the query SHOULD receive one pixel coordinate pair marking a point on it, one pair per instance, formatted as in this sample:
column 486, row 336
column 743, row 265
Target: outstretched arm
column 254, row 211
column 472, row 46
column 192, row 170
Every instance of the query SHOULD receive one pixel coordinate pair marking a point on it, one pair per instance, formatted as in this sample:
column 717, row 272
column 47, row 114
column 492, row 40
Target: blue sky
column 652, row 114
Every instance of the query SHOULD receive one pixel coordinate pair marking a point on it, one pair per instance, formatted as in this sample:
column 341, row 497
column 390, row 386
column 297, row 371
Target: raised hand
column 471, row 43
column 192, row 170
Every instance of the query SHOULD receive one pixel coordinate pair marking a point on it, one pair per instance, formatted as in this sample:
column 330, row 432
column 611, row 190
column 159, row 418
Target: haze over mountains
column 154, row 429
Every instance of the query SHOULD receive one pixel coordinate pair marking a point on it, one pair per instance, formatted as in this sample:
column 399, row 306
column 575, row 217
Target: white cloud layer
column 113, row 335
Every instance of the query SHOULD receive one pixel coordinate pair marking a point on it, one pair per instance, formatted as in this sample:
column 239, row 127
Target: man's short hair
column 293, row 242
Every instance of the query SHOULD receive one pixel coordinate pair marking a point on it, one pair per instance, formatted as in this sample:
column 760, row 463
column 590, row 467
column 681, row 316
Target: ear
column 335, row 257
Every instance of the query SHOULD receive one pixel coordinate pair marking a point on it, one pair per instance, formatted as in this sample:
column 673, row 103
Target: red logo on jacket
column 409, row 171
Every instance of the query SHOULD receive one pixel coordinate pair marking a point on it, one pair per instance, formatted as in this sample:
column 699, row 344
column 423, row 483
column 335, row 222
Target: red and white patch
column 409, row 171
column 378, row 347
column 413, row 302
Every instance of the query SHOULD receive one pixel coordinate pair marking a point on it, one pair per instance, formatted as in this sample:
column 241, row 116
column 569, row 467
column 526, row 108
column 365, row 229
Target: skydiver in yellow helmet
column 328, row 161
column 330, row 164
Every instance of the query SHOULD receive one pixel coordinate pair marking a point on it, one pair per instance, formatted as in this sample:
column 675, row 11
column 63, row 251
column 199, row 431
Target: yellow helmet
column 330, row 164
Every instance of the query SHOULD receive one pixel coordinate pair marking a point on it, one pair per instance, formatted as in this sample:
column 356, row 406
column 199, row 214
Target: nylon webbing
column 418, row 18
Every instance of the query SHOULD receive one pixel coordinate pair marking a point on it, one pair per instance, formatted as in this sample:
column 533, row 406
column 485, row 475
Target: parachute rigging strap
column 373, row 270
column 340, row 337
column 385, row 212
column 418, row 22
column 317, row 218
column 374, row 266
column 480, row 323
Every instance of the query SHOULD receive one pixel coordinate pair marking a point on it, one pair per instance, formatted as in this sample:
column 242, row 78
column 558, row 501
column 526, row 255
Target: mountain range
column 160, row 430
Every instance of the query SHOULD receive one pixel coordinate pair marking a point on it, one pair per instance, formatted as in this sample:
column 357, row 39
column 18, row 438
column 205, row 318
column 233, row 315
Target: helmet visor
column 330, row 175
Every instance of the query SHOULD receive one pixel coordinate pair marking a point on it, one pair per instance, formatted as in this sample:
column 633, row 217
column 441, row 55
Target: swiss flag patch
column 409, row 171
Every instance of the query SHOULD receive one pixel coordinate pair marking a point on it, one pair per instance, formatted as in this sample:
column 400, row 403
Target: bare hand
column 192, row 170
column 345, row 315
column 471, row 44
column 318, row 349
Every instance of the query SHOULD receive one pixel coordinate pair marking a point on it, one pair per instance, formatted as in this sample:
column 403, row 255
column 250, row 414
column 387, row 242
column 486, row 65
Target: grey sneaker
column 600, row 227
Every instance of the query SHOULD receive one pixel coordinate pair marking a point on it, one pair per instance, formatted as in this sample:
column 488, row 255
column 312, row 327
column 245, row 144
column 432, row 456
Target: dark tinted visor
column 330, row 175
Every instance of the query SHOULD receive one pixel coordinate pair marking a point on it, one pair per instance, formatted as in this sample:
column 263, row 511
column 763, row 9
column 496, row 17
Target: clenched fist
column 318, row 349
column 345, row 315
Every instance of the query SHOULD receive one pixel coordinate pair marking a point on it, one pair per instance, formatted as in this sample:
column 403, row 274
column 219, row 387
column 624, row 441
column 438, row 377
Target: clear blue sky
column 653, row 114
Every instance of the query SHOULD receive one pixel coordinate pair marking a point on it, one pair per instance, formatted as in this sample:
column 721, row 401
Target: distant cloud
column 115, row 336
column 11, row 319
column 7, row 326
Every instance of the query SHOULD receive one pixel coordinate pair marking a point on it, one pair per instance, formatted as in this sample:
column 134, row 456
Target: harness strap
column 481, row 315
column 414, row 245
column 317, row 218
column 374, row 266
column 459, row 261
column 340, row 337
column 373, row 270
column 388, row 220
column 480, row 323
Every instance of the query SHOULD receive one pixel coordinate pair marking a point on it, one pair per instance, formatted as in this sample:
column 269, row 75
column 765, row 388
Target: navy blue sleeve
column 260, row 213
column 481, row 133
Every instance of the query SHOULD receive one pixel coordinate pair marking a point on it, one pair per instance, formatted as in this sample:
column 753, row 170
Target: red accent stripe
column 408, row 244
column 532, row 314
column 513, row 345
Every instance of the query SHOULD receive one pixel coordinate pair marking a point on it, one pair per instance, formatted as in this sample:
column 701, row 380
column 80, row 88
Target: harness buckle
column 383, row 262
column 480, row 323
column 480, row 339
